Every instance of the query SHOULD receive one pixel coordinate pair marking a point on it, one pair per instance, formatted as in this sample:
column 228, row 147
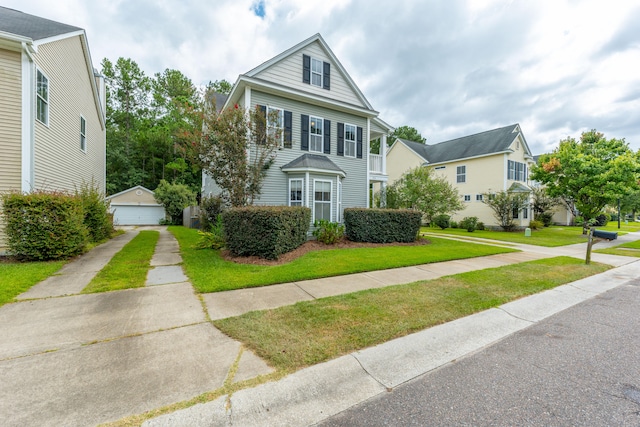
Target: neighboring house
column 323, row 162
column 52, row 114
column 486, row 162
column 136, row 206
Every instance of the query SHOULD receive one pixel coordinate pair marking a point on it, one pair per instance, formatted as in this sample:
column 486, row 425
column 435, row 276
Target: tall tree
column 220, row 86
column 588, row 174
column 236, row 150
column 404, row 132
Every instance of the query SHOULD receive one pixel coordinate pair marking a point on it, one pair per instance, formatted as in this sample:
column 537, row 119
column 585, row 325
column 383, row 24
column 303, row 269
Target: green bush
column 442, row 221
column 480, row 225
column 210, row 208
column 469, row 223
column 328, row 232
column 382, row 225
column 546, row 218
column 174, row 198
column 44, row 225
column 602, row 220
column 265, row 231
column 213, row 239
column 536, row 225
column 97, row 218
column 453, row 224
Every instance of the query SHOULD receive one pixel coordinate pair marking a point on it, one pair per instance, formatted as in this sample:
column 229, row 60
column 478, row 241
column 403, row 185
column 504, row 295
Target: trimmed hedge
column 382, row 225
column 265, row 231
column 97, row 218
column 44, row 225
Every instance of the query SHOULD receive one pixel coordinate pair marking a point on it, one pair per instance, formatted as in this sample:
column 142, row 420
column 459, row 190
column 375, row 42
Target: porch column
column 383, row 153
column 383, row 188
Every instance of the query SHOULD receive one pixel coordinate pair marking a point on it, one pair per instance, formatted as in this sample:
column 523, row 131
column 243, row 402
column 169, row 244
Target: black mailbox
column 609, row 235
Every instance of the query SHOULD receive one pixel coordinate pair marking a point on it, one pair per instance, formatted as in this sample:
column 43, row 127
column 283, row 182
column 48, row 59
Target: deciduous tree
column 503, row 204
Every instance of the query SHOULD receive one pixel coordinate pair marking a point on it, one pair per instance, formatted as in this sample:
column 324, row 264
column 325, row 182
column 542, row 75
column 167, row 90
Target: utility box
column 527, row 232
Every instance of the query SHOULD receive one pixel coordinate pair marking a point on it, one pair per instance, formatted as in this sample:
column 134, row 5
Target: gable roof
column 300, row 46
column 34, row 27
column 128, row 190
column 481, row 144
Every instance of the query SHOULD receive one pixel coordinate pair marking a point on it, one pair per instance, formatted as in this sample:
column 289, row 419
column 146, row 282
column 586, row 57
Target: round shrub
column 469, row 223
column 442, row 221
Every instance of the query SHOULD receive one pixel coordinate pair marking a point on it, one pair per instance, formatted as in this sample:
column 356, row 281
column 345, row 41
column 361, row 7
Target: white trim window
column 461, row 174
column 467, row 197
column 349, row 140
column 275, row 123
column 83, row 134
column 479, row 197
column 316, row 132
column 42, row 98
column 296, row 193
column 316, row 72
column 322, row 200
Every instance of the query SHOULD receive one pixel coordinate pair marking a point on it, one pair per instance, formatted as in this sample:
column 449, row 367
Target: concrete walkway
column 70, row 359
column 81, row 359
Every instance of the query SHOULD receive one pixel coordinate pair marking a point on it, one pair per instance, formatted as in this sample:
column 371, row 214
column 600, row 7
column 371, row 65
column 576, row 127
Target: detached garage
column 136, row 206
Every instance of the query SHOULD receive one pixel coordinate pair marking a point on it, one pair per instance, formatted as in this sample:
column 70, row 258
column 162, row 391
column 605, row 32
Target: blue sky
column 446, row 67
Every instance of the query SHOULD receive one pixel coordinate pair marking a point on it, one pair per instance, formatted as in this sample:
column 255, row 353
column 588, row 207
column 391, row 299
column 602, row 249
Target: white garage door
column 137, row 215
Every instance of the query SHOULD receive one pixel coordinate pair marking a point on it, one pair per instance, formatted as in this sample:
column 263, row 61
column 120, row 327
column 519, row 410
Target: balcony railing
column 375, row 163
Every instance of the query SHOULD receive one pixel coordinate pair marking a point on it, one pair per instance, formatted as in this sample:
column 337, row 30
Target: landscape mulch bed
column 312, row 245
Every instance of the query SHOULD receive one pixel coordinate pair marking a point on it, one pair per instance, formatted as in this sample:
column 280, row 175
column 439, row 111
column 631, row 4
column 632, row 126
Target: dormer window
column 316, row 72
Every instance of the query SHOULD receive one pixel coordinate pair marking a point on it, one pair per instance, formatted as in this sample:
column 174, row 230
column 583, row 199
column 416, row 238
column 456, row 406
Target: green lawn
column 128, row 268
column 625, row 249
column 549, row 236
column 210, row 273
column 18, row 277
column 311, row 332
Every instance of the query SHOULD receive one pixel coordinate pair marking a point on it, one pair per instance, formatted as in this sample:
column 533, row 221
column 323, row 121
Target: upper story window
column 316, row 72
column 275, row 119
column 315, row 134
column 461, row 174
column 42, row 98
column 349, row 140
column 83, row 134
column 516, row 171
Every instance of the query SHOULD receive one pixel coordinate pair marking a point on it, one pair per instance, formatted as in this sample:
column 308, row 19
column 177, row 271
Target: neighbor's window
column 315, row 134
column 515, row 213
column 316, row 72
column 467, row 197
column 322, row 200
column 349, row 140
column 295, row 192
column 275, row 123
column 83, row 134
column 42, row 98
column 461, row 174
column 479, row 197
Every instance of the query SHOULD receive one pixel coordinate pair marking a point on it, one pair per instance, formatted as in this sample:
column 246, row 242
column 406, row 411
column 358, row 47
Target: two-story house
column 52, row 111
column 486, row 162
column 324, row 161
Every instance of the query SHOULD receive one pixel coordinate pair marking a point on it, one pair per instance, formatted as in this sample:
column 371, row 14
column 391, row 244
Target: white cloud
column 448, row 68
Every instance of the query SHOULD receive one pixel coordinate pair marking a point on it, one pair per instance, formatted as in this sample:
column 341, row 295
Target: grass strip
column 18, row 277
column 548, row 237
column 128, row 268
column 311, row 332
column 625, row 249
column 209, row 272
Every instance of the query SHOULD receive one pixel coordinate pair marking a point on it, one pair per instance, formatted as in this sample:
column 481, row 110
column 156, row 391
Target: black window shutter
column 306, row 69
column 340, row 139
column 327, row 137
column 326, row 75
column 288, row 125
column 304, row 142
column 261, row 125
column 359, row 143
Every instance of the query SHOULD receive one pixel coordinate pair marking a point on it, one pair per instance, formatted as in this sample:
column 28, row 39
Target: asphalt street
column 580, row 367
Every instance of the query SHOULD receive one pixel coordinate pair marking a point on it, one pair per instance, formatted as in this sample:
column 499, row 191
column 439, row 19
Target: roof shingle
column 36, row 28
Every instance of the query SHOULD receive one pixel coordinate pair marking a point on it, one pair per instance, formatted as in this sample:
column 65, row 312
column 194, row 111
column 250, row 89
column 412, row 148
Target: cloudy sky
column 449, row 68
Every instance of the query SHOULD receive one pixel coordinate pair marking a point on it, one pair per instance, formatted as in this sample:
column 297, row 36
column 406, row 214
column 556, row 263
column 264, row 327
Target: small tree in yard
column 237, row 149
column 543, row 205
column 174, row 198
column 419, row 189
column 503, row 204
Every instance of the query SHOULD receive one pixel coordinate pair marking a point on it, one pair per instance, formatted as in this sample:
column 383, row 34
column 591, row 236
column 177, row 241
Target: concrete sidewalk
column 81, row 359
column 318, row 392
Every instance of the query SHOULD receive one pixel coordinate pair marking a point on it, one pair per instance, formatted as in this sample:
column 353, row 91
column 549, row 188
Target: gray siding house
column 324, row 161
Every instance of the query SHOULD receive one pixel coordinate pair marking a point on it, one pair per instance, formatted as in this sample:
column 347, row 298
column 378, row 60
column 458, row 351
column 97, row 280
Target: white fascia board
column 471, row 158
column 377, row 120
column 137, row 187
column 16, row 42
column 290, row 93
column 58, row 37
column 313, row 170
